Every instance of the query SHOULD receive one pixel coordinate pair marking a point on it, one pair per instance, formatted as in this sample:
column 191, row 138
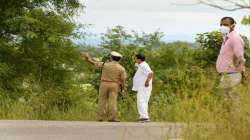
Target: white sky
column 176, row 21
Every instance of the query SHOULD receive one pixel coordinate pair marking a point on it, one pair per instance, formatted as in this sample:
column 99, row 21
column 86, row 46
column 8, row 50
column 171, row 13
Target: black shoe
column 144, row 120
column 114, row 120
column 100, row 120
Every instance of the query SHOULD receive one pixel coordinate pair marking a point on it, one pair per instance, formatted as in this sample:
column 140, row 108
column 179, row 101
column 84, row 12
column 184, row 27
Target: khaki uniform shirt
column 112, row 71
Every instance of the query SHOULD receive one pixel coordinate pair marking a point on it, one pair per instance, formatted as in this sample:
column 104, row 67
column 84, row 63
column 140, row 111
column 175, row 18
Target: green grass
column 208, row 116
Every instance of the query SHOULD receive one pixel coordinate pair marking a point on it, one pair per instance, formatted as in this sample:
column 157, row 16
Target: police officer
column 112, row 80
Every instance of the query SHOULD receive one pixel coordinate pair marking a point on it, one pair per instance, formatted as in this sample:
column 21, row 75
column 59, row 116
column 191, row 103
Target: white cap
column 113, row 53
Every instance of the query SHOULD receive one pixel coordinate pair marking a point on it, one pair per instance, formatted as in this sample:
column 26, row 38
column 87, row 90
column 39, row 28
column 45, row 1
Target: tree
column 129, row 43
column 208, row 47
column 230, row 5
column 36, row 45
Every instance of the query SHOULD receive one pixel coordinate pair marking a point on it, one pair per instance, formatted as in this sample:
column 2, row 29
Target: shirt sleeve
column 238, row 48
column 99, row 64
column 123, row 74
column 146, row 69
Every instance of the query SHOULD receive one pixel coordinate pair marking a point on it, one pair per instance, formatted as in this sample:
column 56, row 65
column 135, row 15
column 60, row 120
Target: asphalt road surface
column 76, row 130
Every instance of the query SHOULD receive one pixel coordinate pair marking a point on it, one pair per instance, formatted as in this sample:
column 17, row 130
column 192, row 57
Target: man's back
column 113, row 72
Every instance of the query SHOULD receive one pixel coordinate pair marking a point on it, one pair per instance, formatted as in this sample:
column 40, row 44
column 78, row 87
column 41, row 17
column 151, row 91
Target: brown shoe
column 144, row 120
column 115, row 120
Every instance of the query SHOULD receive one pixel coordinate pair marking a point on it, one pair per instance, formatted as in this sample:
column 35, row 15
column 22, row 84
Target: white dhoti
column 143, row 95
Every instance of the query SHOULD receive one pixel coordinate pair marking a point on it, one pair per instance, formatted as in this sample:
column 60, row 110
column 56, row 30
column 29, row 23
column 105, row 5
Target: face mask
column 136, row 65
column 224, row 30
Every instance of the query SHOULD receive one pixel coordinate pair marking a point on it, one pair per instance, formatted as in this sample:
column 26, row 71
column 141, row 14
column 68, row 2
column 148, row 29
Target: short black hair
column 115, row 58
column 232, row 21
column 140, row 56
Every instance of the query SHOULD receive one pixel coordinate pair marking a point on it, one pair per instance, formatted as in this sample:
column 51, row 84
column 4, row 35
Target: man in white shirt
column 142, row 83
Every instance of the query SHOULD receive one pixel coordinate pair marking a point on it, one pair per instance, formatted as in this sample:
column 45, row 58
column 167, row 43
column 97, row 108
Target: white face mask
column 136, row 65
column 224, row 30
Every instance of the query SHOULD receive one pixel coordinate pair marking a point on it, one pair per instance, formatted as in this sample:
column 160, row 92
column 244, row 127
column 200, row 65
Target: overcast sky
column 176, row 21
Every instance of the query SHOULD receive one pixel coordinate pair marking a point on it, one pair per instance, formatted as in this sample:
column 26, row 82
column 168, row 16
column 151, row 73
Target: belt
column 108, row 81
column 227, row 73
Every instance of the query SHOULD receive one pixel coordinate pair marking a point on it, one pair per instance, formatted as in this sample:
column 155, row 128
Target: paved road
column 75, row 130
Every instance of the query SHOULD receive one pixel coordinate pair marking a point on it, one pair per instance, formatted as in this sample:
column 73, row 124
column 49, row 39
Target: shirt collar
column 142, row 63
column 231, row 34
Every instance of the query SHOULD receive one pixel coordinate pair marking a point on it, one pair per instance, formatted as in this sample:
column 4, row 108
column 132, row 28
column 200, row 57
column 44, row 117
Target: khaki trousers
column 108, row 93
column 230, row 80
column 228, row 86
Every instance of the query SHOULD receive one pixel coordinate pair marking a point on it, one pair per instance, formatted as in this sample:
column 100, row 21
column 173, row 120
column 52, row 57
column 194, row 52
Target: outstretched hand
column 84, row 55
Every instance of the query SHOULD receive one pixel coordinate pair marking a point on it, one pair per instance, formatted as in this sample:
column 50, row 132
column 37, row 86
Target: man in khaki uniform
column 112, row 80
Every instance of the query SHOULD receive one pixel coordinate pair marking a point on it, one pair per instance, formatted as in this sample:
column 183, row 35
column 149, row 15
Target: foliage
column 246, row 20
column 44, row 78
column 36, row 48
column 208, row 47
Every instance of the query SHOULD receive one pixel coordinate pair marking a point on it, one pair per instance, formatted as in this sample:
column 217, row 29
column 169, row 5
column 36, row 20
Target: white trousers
column 143, row 95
